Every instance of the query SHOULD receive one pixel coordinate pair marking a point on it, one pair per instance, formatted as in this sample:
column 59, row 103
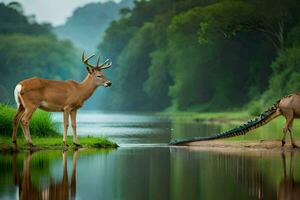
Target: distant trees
column 13, row 21
column 29, row 49
column 202, row 55
column 85, row 28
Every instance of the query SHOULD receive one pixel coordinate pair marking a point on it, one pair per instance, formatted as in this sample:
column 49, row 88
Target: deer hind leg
column 283, row 137
column 16, row 122
column 289, row 116
column 25, row 123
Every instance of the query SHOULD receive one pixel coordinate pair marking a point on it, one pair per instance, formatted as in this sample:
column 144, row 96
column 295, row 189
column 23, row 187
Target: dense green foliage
column 86, row 27
column 41, row 123
column 29, row 49
column 12, row 21
column 203, row 55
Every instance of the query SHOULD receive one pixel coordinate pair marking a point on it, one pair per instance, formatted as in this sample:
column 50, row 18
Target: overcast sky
column 54, row 11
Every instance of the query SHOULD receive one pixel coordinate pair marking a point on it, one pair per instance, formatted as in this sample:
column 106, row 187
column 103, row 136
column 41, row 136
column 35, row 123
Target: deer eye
column 99, row 76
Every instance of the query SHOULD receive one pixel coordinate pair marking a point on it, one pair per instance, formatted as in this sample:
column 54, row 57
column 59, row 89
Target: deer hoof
column 15, row 147
column 14, row 143
column 77, row 145
column 31, row 145
column 282, row 143
column 65, row 144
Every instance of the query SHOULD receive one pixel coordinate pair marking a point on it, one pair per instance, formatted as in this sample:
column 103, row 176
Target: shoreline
column 55, row 143
column 225, row 145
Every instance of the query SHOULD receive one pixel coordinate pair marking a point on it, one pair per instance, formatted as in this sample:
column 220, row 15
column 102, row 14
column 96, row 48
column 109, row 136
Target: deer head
column 95, row 71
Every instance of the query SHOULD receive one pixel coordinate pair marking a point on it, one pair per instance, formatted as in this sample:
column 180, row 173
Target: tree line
column 202, row 55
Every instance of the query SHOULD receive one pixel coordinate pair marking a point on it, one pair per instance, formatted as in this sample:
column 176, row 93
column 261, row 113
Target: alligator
column 288, row 106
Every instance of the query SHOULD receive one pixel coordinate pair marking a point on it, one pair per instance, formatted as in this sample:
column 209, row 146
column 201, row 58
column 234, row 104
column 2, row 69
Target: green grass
column 44, row 132
column 55, row 143
column 41, row 123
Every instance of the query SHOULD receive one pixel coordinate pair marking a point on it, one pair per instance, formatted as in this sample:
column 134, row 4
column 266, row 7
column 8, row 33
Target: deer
column 56, row 96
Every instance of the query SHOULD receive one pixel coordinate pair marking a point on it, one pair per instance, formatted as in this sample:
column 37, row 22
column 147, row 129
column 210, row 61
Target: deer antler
column 107, row 64
column 104, row 65
column 85, row 60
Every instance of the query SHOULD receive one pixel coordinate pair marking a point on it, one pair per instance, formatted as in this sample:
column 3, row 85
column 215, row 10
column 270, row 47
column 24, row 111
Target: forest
column 203, row 55
column 30, row 49
column 171, row 55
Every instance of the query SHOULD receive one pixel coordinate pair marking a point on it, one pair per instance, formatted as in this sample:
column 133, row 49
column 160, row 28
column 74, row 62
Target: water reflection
column 289, row 189
column 151, row 173
column 232, row 175
column 55, row 190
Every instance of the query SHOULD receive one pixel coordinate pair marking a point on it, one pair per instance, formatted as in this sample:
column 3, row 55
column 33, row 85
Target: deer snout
column 107, row 84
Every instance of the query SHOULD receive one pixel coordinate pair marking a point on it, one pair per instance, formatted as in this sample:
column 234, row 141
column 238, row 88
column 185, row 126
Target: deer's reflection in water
column 289, row 189
column 55, row 190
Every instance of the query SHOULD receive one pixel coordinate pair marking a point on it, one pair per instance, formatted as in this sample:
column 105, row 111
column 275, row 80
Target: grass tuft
column 41, row 123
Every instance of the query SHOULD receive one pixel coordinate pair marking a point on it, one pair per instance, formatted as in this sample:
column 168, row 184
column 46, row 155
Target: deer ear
column 89, row 69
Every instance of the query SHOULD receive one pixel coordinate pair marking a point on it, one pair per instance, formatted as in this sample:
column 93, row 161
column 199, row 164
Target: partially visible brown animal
column 56, row 96
column 288, row 189
column 288, row 106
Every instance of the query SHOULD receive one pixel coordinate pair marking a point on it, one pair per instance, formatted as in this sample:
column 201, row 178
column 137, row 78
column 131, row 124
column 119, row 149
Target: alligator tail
column 259, row 121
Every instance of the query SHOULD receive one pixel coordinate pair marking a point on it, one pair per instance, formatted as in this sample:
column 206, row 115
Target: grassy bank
column 44, row 132
column 55, row 143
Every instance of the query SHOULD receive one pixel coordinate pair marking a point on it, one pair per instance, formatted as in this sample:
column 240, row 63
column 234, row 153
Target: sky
column 55, row 12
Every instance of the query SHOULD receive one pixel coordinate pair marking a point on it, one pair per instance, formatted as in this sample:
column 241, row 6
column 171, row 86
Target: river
column 145, row 167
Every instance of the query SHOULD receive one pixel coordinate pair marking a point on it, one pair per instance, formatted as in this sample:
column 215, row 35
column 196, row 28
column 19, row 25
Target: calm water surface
column 144, row 167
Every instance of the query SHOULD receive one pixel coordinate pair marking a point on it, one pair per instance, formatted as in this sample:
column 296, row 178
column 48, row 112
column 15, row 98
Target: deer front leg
column 66, row 125
column 283, row 137
column 73, row 120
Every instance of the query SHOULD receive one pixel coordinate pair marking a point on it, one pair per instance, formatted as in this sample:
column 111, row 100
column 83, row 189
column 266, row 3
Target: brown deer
column 56, row 96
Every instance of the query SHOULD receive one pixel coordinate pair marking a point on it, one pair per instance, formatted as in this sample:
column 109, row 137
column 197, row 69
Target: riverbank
column 55, row 143
column 217, row 117
column 227, row 145
column 218, row 122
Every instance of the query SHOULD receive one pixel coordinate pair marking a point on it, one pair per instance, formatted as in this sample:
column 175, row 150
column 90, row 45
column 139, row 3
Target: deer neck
column 87, row 87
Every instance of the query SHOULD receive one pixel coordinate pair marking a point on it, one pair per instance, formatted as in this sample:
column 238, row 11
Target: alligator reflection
column 60, row 190
column 288, row 187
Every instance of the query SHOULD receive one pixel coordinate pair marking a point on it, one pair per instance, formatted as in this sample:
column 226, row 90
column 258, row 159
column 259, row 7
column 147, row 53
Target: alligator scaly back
column 261, row 120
